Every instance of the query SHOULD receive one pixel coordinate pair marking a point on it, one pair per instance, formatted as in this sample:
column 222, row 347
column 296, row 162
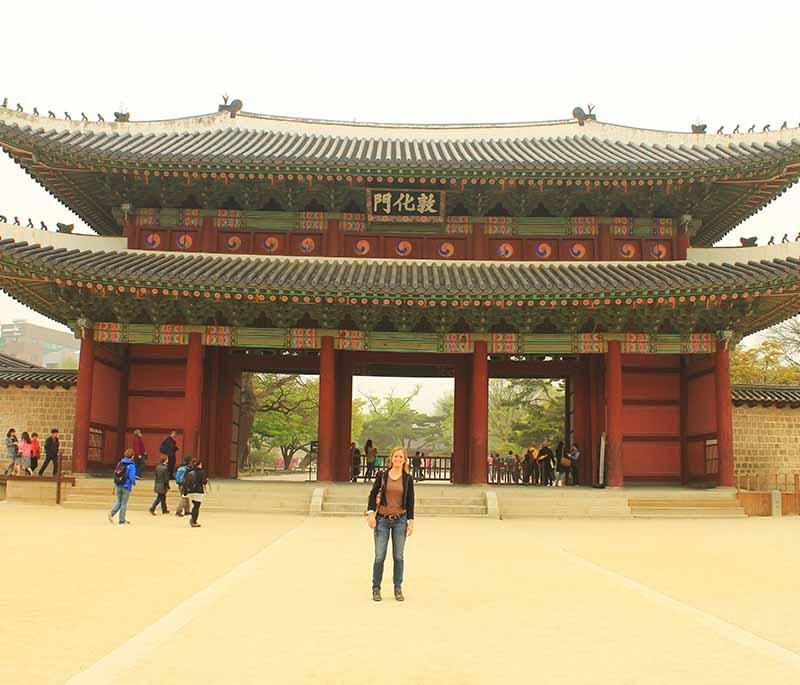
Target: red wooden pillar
column 604, row 241
column 83, row 403
column 595, row 414
column 208, row 237
column 344, row 414
column 193, row 396
column 478, row 242
column 722, row 378
column 332, row 248
column 479, row 415
column 614, row 414
column 684, row 399
column 461, row 401
column 326, row 432
column 122, row 415
column 682, row 242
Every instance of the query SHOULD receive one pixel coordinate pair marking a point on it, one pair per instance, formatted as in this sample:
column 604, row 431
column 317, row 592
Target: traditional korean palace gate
column 238, row 242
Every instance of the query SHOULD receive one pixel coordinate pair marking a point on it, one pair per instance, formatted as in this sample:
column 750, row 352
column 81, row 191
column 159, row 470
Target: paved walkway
column 286, row 600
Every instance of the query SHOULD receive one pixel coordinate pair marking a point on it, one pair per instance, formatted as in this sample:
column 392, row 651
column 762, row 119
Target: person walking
column 12, row 452
column 390, row 512
column 562, row 466
column 574, row 458
column 416, row 463
column 370, row 453
column 489, row 467
column 170, row 448
column 25, row 450
column 51, row 446
column 124, row 480
column 355, row 462
column 36, row 451
column 139, row 452
column 161, row 486
column 183, row 506
column 545, row 459
column 193, row 488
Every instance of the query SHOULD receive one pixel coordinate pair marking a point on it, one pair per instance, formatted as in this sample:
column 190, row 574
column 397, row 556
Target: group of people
column 371, row 461
column 24, row 452
column 539, row 466
column 190, row 479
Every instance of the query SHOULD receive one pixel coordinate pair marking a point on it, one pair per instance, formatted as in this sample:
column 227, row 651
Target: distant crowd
column 190, row 479
column 538, row 466
column 25, row 451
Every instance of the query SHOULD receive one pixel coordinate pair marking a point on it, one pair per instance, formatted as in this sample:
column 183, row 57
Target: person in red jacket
column 36, row 450
column 139, row 453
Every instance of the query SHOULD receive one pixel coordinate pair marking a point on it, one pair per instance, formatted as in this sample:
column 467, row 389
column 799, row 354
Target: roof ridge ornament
column 233, row 108
column 582, row 117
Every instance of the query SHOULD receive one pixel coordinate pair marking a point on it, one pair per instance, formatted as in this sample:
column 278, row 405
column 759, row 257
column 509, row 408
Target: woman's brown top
column 394, row 498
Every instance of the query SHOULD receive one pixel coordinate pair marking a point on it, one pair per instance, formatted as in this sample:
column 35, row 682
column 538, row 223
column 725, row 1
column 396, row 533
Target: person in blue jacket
column 124, row 480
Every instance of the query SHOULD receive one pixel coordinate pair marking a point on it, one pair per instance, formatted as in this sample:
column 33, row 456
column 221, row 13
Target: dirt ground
column 261, row 598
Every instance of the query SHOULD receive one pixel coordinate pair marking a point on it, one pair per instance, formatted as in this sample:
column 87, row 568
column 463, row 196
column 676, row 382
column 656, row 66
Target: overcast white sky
column 654, row 65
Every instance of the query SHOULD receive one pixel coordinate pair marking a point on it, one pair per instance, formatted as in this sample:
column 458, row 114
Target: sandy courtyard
column 270, row 599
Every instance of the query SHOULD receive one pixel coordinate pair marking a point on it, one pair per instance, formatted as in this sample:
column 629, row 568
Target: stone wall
column 766, row 442
column 40, row 410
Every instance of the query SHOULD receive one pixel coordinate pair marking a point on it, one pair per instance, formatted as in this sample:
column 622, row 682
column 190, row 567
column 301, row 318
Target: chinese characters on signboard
column 419, row 206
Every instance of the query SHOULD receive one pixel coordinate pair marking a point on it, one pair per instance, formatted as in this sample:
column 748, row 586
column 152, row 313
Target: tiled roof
column 9, row 362
column 20, row 376
column 275, row 141
column 766, row 395
column 390, row 278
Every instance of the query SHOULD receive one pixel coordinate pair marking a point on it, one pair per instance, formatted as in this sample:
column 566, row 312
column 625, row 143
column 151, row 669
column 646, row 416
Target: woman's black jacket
column 379, row 489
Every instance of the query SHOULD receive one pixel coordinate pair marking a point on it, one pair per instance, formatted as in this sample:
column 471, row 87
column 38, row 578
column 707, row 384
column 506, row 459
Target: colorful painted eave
column 64, row 156
column 33, row 262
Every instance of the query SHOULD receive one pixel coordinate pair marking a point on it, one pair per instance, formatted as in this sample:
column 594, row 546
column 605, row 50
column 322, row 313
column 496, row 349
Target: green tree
column 526, row 411
column 393, row 422
column 285, row 411
column 764, row 364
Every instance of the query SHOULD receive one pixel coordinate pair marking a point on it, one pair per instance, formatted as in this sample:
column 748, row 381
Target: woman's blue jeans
column 397, row 528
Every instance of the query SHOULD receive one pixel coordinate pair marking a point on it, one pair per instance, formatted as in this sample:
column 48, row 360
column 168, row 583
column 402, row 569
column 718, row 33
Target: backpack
column 120, row 473
column 189, row 481
column 180, row 473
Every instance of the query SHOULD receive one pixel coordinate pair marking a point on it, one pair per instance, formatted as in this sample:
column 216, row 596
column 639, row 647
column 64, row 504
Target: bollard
column 775, row 502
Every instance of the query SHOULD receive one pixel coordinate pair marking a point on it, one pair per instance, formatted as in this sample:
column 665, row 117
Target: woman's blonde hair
column 402, row 450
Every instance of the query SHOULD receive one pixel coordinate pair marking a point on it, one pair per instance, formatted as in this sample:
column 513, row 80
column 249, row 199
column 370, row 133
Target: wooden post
column 797, row 493
column 594, row 417
column 684, row 420
column 83, row 403
column 614, row 414
column 604, row 241
column 326, row 433
column 193, row 396
column 722, row 378
column 343, row 415
column 461, row 400
column 479, row 414
column 478, row 242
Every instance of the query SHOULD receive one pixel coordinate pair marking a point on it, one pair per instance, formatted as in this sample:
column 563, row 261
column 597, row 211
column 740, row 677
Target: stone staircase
column 431, row 500
column 716, row 503
column 224, row 495
column 566, row 502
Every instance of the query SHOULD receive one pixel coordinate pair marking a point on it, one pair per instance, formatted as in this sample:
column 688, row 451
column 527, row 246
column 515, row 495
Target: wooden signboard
column 417, row 206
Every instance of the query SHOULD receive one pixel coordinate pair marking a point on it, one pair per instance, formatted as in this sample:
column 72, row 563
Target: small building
column 570, row 249
column 39, row 345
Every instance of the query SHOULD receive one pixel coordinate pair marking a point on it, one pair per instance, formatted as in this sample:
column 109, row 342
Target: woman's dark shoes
column 376, row 595
column 398, row 595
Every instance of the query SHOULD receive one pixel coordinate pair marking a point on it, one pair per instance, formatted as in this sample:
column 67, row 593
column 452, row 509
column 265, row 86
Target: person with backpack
column 124, row 480
column 12, row 451
column 139, row 452
column 180, row 475
column 161, row 486
column 169, row 448
column 193, row 487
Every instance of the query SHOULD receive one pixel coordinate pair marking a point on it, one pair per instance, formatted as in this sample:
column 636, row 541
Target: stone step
column 335, row 512
column 455, row 509
column 690, row 513
column 659, row 503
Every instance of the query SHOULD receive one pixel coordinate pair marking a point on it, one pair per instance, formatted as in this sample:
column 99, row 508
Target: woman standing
column 370, row 453
column 390, row 510
column 25, row 449
column 12, row 452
